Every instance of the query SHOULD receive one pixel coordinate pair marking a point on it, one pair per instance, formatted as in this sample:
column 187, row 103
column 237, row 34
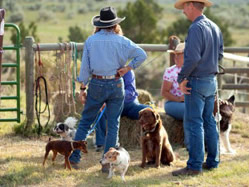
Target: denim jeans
column 199, row 122
column 130, row 110
column 111, row 92
column 175, row 109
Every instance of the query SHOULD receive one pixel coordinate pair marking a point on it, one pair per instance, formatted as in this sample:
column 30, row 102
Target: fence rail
column 31, row 47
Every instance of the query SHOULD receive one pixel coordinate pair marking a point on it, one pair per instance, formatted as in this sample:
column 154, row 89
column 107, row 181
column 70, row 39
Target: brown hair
column 198, row 5
column 116, row 28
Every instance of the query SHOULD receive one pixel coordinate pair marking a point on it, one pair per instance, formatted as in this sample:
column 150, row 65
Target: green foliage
column 141, row 21
column 76, row 34
column 30, row 31
column 180, row 27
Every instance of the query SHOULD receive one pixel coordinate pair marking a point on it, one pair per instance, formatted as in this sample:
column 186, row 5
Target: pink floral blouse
column 171, row 75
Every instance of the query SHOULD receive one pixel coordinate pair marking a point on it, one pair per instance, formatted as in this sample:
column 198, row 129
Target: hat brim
column 175, row 52
column 179, row 4
column 97, row 23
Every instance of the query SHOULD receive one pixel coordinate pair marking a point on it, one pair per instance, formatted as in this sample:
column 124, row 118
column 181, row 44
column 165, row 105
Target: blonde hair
column 116, row 28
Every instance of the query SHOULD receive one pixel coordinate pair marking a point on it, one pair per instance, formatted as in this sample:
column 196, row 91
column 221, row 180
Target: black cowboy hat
column 108, row 17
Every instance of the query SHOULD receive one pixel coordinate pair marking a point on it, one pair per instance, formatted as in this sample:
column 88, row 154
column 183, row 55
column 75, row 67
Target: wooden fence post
column 29, row 80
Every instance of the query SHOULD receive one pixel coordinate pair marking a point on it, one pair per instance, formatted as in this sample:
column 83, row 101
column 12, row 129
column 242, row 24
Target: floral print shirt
column 171, row 75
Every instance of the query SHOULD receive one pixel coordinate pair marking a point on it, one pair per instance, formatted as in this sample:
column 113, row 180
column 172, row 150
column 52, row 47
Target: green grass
column 21, row 165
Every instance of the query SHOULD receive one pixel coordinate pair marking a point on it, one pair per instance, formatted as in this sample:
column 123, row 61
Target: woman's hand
column 124, row 70
column 181, row 98
column 82, row 96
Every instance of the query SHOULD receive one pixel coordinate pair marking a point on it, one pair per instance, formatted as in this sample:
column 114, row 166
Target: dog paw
column 142, row 165
column 231, row 151
column 158, row 167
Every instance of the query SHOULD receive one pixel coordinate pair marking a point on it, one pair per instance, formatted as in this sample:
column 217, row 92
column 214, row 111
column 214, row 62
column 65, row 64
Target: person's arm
column 192, row 53
column 165, row 92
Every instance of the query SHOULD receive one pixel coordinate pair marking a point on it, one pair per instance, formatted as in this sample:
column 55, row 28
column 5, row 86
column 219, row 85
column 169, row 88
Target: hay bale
column 174, row 129
column 144, row 97
column 129, row 132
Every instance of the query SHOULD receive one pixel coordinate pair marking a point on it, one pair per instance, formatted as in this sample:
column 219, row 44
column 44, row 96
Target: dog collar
column 72, row 145
column 116, row 164
column 152, row 130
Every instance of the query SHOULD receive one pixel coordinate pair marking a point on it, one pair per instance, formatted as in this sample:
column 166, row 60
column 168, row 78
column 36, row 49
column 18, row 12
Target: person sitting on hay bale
column 131, row 109
column 170, row 90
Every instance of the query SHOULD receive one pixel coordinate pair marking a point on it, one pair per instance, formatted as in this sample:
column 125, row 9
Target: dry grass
column 21, row 165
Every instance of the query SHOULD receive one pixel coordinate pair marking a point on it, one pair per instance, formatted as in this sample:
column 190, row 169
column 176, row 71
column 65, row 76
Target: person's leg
column 101, row 131
column 131, row 110
column 114, row 108
column 94, row 102
column 211, row 132
column 175, row 109
column 193, row 125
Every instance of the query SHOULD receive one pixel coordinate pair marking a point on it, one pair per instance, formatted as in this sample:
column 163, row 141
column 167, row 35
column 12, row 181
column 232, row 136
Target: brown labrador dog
column 156, row 147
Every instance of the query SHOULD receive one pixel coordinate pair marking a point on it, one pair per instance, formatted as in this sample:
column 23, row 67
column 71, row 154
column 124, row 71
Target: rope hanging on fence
column 64, row 103
column 38, row 92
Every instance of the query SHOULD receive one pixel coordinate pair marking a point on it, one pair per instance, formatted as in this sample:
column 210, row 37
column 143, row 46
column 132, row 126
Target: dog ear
column 116, row 153
column 66, row 128
column 231, row 99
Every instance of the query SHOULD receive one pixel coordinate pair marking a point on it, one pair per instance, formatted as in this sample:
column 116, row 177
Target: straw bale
column 129, row 133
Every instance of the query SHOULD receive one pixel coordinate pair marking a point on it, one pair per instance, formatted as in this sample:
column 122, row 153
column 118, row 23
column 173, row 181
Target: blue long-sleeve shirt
column 130, row 87
column 106, row 52
column 203, row 49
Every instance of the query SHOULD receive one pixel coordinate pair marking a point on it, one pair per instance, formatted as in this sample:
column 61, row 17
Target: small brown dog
column 156, row 147
column 65, row 148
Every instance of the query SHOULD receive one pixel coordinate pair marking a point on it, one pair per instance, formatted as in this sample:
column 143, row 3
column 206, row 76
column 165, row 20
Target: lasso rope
column 38, row 91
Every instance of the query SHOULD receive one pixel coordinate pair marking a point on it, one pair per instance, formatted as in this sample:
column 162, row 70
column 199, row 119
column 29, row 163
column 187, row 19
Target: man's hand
column 184, row 88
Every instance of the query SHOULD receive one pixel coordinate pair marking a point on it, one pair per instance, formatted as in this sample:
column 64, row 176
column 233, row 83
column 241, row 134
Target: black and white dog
column 66, row 129
column 226, row 112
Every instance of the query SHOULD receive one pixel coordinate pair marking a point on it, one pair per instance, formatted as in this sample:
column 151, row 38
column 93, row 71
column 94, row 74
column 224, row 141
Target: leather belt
column 106, row 77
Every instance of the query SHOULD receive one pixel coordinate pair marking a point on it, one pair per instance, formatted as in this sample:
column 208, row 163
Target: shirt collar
column 199, row 18
column 104, row 31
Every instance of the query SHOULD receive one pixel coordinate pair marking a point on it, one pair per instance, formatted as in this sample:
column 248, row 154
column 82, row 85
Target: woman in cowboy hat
column 203, row 50
column 104, row 61
column 174, row 105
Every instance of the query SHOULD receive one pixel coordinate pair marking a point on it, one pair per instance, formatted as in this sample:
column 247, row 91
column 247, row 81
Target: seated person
column 131, row 108
column 174, row 105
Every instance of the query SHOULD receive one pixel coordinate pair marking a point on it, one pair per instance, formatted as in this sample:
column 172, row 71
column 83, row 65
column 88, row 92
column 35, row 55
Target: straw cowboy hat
column 179, row 49
column 179, row 3
column 107, row 18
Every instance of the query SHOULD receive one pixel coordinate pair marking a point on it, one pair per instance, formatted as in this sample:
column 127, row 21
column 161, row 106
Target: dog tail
column 71, row 122
column 49, row 139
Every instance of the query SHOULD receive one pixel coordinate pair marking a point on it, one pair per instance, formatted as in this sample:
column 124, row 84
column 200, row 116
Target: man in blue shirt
column 203, row 50
column 131, row 108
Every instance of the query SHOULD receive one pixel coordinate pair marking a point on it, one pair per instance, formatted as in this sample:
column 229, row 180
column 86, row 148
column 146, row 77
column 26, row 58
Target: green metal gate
column 16, row 96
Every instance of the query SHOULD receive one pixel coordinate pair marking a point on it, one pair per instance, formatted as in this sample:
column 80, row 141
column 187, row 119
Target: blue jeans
column 175, row 109
column 111, row 92
column 131, row 110
column 199, row 122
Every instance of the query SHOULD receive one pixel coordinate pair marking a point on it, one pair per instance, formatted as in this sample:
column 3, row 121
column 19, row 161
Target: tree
column 30, row 31
column 141, row 21
column 76, row 34
column 180, row 27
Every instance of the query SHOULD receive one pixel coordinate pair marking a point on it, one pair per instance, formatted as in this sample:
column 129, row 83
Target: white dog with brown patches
column 119, row 159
